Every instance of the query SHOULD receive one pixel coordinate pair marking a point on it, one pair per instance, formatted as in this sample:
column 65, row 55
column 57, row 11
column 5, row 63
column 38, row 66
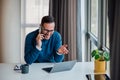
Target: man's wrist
column 58, row 53
column 38, row 47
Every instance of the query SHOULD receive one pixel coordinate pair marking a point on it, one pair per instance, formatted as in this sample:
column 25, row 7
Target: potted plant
column 101, row 57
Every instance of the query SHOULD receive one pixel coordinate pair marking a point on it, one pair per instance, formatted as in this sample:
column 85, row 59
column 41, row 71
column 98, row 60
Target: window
column 31, row 13
column 107, row 35
column 94, row 17
column 98, row 28
column 34, row 10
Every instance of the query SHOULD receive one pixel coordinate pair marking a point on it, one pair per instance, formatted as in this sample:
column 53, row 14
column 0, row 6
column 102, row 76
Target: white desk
column 36, row 73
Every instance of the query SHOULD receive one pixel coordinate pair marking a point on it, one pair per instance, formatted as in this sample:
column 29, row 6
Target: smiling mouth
column 46, row 36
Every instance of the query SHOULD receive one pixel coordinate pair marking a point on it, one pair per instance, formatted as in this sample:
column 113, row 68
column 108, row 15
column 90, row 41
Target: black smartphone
column 40, row 32
column 40, row 29
column 97, row 77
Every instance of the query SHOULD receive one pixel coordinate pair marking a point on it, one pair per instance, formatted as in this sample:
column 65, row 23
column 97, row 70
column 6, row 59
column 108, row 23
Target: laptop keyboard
column 48, row 69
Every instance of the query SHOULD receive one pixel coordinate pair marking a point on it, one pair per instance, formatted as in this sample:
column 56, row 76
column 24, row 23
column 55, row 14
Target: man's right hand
column 39, row 39
column 63, row 49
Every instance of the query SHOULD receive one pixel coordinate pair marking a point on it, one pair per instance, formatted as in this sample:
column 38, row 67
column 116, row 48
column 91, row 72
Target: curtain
column 0, row 30
column 114, row 32
column 64, row 12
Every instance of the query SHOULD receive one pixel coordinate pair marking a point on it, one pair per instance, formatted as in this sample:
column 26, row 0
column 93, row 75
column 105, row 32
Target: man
column 44, row 44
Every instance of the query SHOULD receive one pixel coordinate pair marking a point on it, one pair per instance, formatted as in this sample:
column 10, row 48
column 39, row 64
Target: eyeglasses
column 46, row 30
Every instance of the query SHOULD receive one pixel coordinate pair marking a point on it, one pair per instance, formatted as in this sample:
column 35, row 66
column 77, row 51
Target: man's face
column 47, row 30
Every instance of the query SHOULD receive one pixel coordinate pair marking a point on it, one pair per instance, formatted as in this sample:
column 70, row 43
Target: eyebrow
column 48, row 30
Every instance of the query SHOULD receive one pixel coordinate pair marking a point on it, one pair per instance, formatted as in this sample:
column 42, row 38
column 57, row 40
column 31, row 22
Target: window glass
column 30, row 29
column 35, row 10
column 32, row 12
column 107, row 35
column 94, row 17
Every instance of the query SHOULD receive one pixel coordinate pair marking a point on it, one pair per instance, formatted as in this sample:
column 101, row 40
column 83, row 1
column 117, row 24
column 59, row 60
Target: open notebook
column 62, row 66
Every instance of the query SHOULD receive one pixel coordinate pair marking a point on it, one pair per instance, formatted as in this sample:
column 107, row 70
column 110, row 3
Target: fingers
column 39, row 38
column 65, row 45
column 63, row 49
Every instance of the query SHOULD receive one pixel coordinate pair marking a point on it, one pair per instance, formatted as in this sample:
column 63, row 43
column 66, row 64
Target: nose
column 48, row 33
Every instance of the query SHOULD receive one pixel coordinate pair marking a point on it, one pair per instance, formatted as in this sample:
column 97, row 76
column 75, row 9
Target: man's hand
column 39, row 39
column 63, row 49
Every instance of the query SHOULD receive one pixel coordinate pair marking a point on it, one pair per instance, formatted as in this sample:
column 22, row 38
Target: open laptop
column 62, row 66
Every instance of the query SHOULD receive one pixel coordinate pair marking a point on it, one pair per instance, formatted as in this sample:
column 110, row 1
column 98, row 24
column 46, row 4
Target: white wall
column 10, row 31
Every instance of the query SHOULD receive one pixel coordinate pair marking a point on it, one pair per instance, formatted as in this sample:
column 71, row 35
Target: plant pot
column 99, row 66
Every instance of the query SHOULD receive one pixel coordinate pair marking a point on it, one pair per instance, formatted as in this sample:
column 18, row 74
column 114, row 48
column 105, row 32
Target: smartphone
column 97, row 77
column 40, row 29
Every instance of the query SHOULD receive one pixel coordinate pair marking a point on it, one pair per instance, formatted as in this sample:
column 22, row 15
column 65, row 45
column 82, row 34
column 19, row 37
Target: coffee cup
column 24, row 68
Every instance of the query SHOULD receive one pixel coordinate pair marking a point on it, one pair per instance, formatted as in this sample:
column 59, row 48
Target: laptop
column 62, row 66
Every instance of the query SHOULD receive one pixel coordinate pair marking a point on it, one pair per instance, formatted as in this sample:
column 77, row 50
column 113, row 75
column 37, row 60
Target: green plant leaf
column 106, row 56
column 97, row 56
column 100, row 52
column 93, row 53
column 100, row 55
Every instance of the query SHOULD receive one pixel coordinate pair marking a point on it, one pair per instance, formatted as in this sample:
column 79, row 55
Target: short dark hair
column 47, row 19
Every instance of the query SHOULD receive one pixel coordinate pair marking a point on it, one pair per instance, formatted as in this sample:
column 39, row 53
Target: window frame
column 99, row 41
column 24, row 26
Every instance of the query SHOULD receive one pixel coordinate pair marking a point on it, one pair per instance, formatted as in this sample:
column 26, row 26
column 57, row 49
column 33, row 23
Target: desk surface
column 78, row 72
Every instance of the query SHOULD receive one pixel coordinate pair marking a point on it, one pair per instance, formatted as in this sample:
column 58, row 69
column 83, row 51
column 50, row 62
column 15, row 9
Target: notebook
column 62, row 66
